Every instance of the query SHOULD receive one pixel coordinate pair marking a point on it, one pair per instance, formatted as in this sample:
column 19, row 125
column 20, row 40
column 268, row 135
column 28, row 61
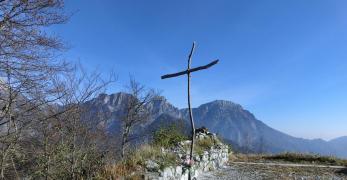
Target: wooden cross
column 187, row 72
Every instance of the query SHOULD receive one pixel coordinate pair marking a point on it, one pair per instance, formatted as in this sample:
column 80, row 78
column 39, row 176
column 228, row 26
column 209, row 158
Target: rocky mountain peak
column 160, row 105
column 222, row 104
column 115, row 99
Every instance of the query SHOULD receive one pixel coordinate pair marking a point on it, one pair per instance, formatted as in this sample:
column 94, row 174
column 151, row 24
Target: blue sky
column 285, row 61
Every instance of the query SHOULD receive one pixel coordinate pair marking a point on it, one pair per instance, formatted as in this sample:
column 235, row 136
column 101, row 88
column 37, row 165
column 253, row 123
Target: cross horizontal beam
column 190, row 70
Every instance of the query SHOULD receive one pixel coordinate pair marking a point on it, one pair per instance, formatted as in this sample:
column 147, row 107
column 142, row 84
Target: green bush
column 168, row 136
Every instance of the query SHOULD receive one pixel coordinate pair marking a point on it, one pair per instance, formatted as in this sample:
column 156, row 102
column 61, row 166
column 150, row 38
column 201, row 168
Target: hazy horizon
column 282, row 61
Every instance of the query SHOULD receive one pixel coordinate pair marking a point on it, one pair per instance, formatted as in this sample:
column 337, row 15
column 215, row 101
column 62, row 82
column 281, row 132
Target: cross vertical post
column 188, row 72
column 189, row 105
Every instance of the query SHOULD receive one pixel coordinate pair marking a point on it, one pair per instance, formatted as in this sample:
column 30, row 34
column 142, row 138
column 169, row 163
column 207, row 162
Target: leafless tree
column 27, row 65
column 136, row 111
column 67, row 142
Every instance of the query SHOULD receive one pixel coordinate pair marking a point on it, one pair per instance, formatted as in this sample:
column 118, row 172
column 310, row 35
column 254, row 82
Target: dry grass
column 307, row 158
column 290, row 157
column 164, row 159
column 121, row 171
column 203, row 145
column 246, row 157
column 133, row 166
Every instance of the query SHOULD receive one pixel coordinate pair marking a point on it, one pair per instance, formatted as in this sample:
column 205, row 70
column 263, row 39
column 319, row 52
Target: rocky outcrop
column 210, row 154
column 160, row 105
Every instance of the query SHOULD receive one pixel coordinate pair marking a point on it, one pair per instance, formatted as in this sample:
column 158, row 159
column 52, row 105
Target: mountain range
column 229, row 120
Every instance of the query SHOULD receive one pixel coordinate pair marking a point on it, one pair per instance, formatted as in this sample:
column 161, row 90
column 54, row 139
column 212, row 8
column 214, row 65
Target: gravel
column 244, row 171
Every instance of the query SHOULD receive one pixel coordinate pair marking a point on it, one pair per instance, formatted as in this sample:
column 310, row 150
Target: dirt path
column 262, row 171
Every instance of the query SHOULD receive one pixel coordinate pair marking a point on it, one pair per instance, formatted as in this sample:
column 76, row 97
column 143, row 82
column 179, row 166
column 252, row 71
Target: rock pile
column 209, row 154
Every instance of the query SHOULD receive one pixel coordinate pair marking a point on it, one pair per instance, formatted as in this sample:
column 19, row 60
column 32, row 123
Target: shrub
column 168, row 136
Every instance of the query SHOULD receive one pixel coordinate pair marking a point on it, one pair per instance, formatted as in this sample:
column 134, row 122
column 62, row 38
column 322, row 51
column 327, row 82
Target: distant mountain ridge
column 230, row 120
column 240, row 126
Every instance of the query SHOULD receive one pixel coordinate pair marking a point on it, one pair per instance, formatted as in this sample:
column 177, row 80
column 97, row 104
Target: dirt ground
column 267, row 171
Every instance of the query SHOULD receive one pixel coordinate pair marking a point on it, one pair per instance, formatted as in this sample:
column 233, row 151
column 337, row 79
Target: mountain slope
column 240, row 126
column 226, row 118
column 340, row 145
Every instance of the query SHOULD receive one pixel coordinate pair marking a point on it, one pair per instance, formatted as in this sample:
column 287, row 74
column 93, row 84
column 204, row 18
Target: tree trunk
column 124, row 140
column 3, row 162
